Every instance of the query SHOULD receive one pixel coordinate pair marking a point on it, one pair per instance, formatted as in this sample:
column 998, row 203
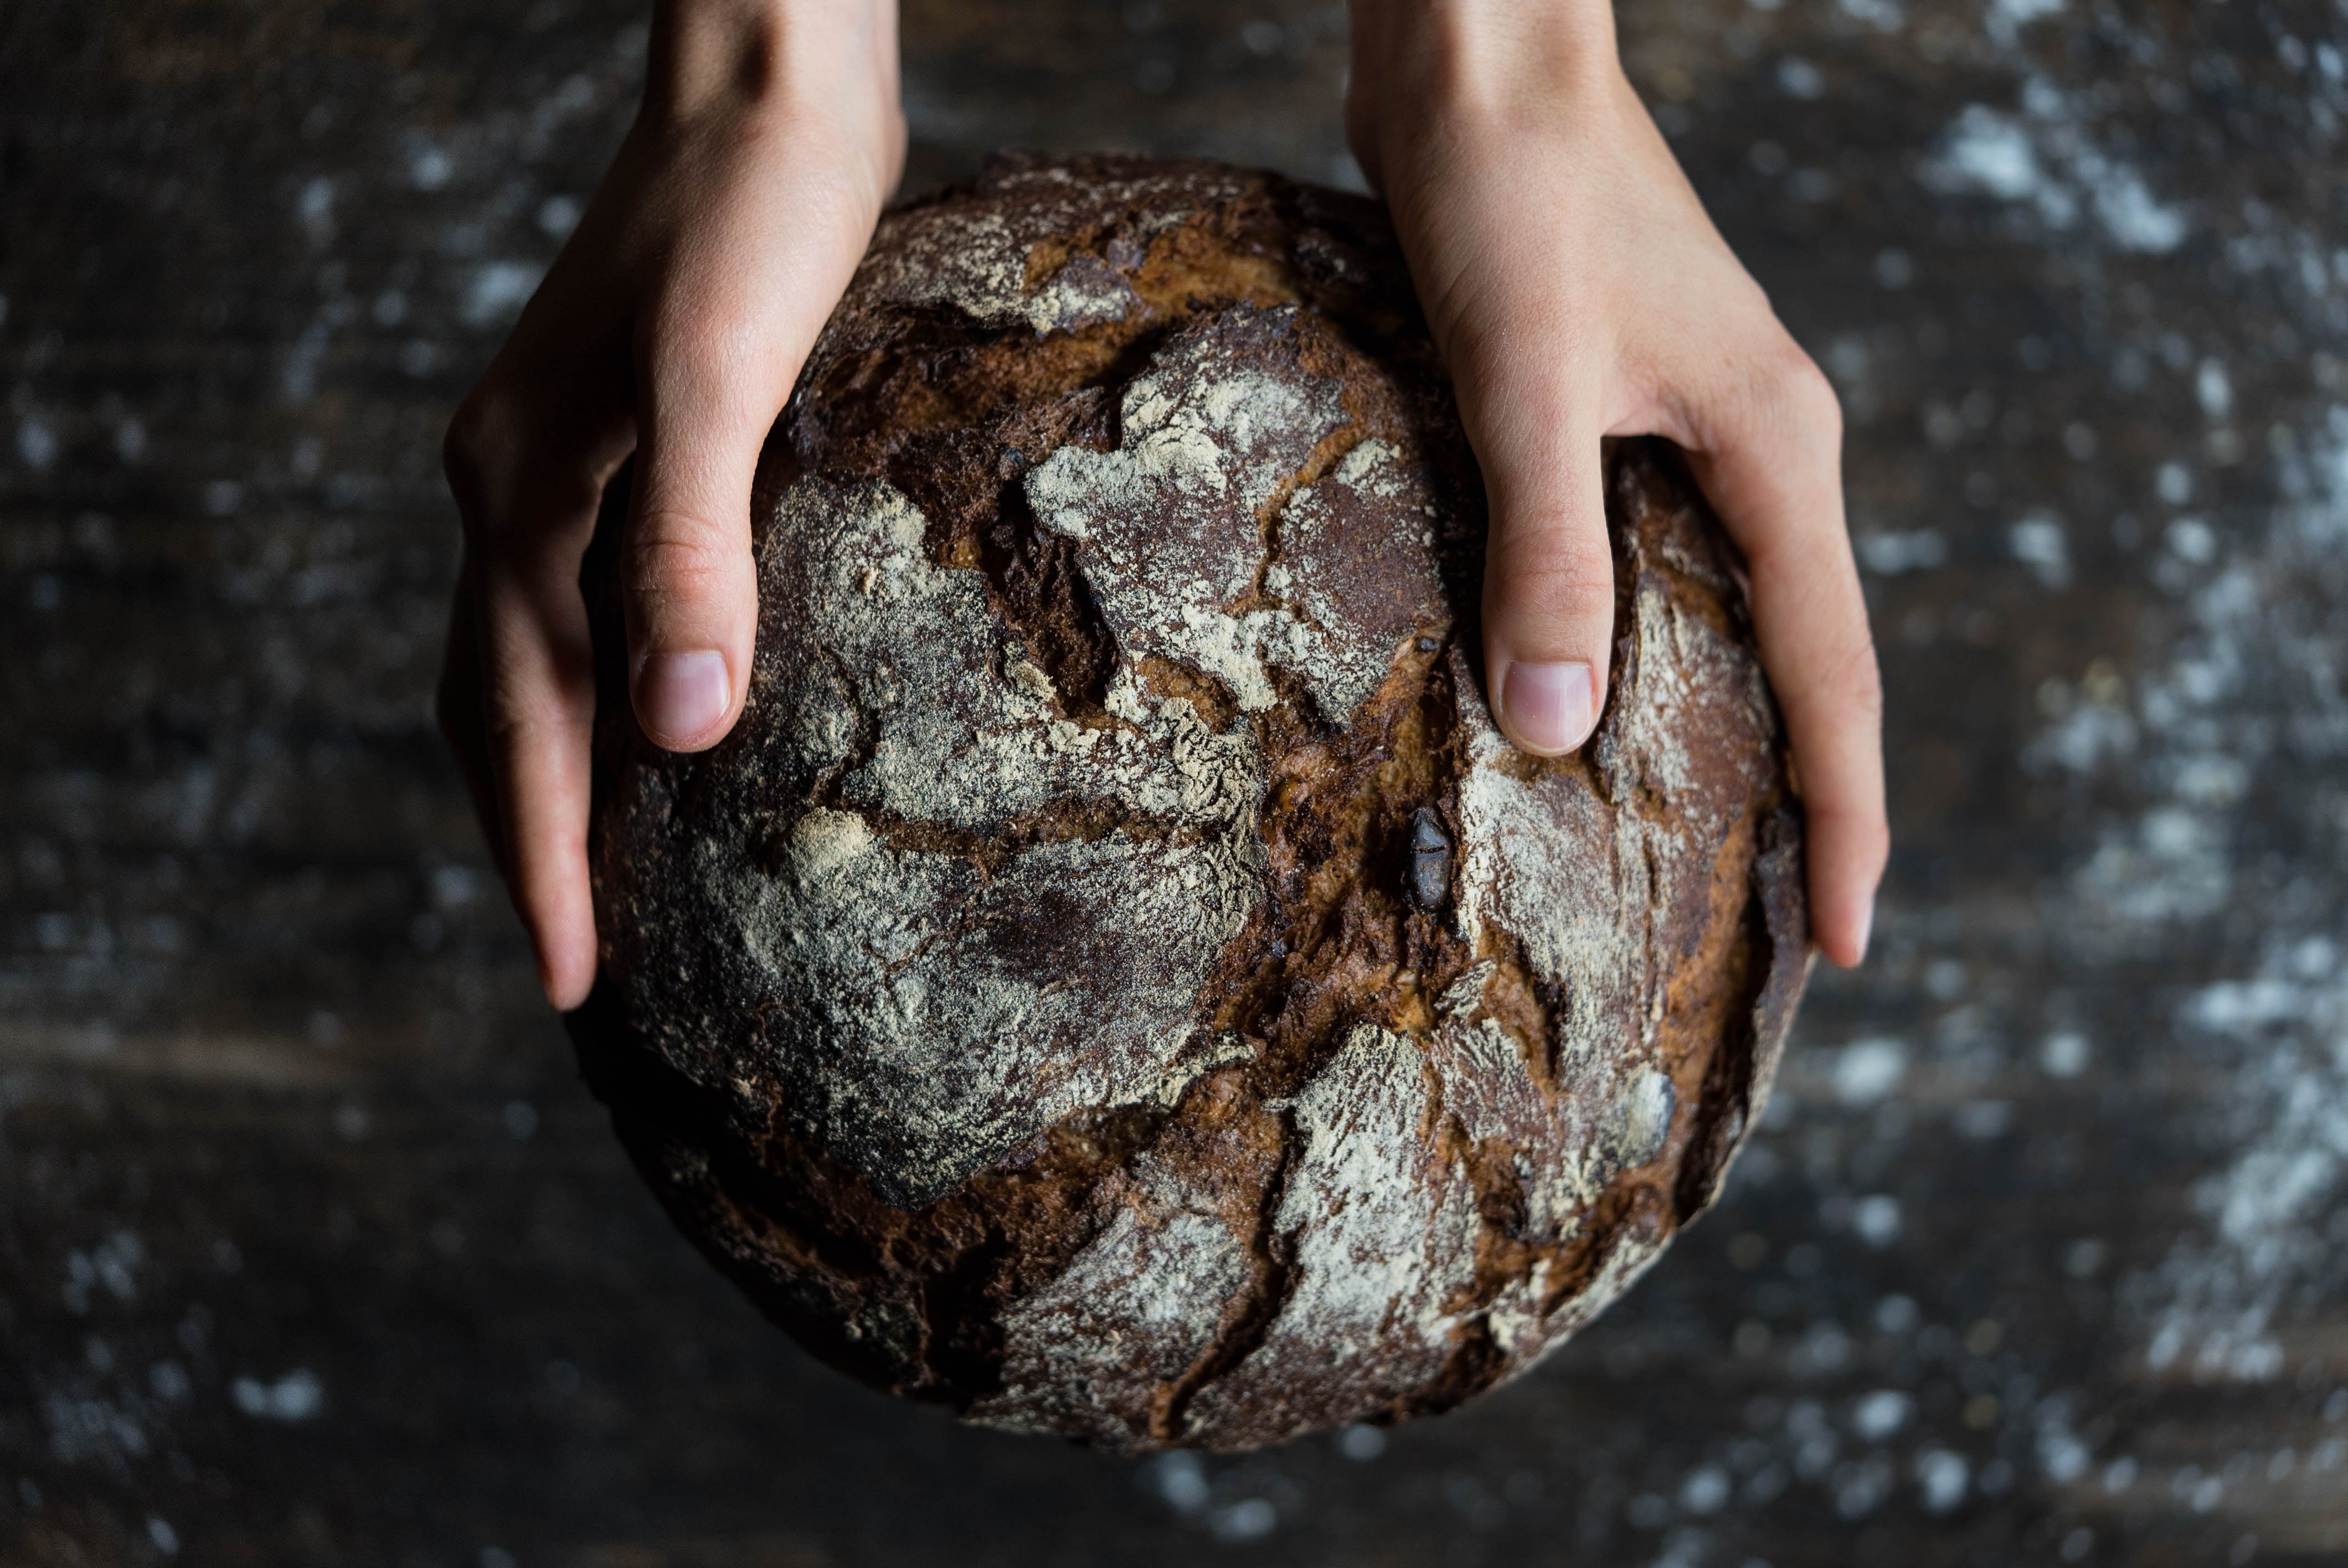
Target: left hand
column 672, row 326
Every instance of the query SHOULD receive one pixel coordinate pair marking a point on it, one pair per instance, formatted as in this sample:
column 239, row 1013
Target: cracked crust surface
column 1116, row 980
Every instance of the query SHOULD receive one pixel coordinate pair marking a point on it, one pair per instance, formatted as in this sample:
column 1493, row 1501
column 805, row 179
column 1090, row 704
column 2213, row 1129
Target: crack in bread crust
column 1115, row 981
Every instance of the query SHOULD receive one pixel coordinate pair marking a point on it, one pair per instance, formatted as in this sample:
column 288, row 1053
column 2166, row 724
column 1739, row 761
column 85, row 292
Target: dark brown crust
column 911, row 1292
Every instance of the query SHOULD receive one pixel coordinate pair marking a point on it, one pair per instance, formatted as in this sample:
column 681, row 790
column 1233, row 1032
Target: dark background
column 313, row 1250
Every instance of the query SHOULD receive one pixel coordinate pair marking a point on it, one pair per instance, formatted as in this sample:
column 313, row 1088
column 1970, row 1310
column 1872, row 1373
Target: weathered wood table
column 313, row 1251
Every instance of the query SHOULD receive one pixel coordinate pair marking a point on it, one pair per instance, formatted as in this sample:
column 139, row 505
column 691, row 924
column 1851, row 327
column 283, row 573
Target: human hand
column 1577, row 291
column 672, row 325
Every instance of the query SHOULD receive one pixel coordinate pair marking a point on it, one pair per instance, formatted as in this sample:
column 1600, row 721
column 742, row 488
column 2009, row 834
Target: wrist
column 1465, row 62
column 755, row 58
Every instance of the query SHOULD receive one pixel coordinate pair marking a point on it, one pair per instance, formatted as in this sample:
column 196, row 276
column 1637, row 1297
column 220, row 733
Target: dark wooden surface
column 313, row 1251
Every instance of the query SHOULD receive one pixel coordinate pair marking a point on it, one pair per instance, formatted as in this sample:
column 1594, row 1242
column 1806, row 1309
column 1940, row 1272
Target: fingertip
column 1845, row 949
column 1548, row 619
column 565, row 989
column 1842, row 919
column 1547, row 708
column 682, row 700
column 566, row 966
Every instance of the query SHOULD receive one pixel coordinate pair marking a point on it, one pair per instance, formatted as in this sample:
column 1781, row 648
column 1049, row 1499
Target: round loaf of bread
column 1115, row 980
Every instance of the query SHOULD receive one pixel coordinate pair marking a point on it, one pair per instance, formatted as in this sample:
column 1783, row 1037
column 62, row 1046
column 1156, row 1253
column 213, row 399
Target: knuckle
column 512, row 474
column 1778, row 394
column 1811, row 399
column 1552, row 576
column 675, row 555
column 1852, row 683
column 1798, row 395
column 478, row 428
column 524, row 721
column 509, row 724
column 1560, row 588
column 478, row 453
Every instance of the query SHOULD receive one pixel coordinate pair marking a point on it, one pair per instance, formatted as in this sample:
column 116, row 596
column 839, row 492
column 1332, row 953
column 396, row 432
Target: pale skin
column 1570, row 276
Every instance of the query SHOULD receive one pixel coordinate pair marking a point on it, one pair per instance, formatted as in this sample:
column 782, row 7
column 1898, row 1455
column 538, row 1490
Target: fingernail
column 680, row 695
column 1549, row 706
column 1866, row 929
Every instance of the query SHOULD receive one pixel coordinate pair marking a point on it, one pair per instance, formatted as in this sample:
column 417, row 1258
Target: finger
column 457, row 704
column 538, row 700
column 716, row 359
column 528, row 469
column 1771, row 463
column 1549, row 569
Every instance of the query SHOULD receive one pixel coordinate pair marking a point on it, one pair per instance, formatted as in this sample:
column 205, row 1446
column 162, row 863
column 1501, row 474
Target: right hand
column 1578, row 292
column 672, row 326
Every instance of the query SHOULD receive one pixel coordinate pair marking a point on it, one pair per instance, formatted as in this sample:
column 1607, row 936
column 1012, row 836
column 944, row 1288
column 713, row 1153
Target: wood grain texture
column 314, row 1251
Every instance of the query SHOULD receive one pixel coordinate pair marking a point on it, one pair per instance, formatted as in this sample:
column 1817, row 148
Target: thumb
column 1548, row 568
column 715, row 372
column 716, row 356
column 712, row 390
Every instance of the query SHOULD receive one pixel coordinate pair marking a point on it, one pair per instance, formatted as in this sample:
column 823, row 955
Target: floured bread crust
column 1116, row 980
